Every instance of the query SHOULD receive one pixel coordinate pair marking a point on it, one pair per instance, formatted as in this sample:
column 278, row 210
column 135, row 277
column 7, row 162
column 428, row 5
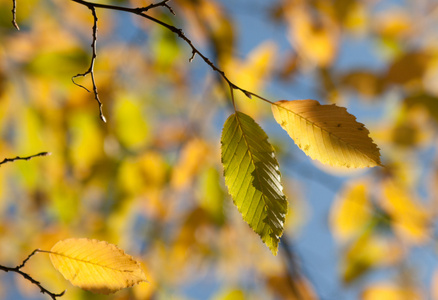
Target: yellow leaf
column 390, row 292
column 367, row 252
column 351, row 212
column 314, row 40
column 327, row 133
column 193, row 158
column 95, row 266
column 411, row 221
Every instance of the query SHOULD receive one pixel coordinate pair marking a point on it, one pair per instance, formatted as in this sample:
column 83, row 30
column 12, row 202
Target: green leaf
column 253, row 178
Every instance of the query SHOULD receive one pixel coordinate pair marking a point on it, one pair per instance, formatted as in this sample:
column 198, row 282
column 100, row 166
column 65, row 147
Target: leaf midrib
column 255, row 169
column 92, row 263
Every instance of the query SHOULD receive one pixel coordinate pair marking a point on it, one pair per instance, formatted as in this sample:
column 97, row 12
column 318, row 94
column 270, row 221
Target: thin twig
column 14, row 14
column 136, row 10
column 91, row 68
column 181, row 35
column 92, row 7
column 17, row 270
column 141, row 12
column 24, row 158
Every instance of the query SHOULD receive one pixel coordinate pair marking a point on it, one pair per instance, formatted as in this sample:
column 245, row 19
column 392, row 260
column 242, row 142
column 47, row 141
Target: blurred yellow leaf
column 212, row 195
column 252, row 74
column 409, row 218
column 190, row 163
column 367, row 252
column 286, row 287
column 327, row 133
column 86, row 146
column 230, row 294
column 131, row 126
column 316, row 41
column 390, row 292
column 95, row 266
column 408, row 68
column 425, row 101
column 393, row 23
column 364, row 82
column 351, row 212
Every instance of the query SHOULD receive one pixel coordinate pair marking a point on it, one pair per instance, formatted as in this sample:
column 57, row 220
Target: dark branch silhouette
column 6, row 160
column 91, row 68
column 17, row 270
column 179, row 32
column 14, row 14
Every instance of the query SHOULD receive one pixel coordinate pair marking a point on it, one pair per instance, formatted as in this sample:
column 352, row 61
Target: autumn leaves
column 327, row 133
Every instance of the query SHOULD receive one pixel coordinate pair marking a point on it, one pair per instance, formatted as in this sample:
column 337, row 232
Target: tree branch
column 17, row 270
column 14, row 14
column 91, row 68
column 141, row 12
column 6, row 160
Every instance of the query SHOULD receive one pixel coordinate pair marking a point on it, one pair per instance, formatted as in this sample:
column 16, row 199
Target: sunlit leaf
column 327, row 133
column 95, row 266
column 253, row 177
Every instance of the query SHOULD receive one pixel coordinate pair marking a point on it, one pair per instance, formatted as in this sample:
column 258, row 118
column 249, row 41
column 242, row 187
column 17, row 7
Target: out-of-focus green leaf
column 58, row 64
column 253, row 178
column 212, row 198
column 132, row 127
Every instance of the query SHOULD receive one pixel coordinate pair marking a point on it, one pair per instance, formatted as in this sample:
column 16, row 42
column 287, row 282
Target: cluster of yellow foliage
column 150, row 179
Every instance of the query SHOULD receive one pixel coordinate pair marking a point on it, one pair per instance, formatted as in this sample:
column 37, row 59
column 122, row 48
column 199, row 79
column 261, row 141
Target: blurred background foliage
column 150, row 180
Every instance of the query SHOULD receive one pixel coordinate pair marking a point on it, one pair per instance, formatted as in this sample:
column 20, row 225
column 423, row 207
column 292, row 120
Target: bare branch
column 141, row 12
column 14, row 14
column 136, row 10
column 91, row 68
column 192, row 57
column 17, row 270
column 24, row 158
